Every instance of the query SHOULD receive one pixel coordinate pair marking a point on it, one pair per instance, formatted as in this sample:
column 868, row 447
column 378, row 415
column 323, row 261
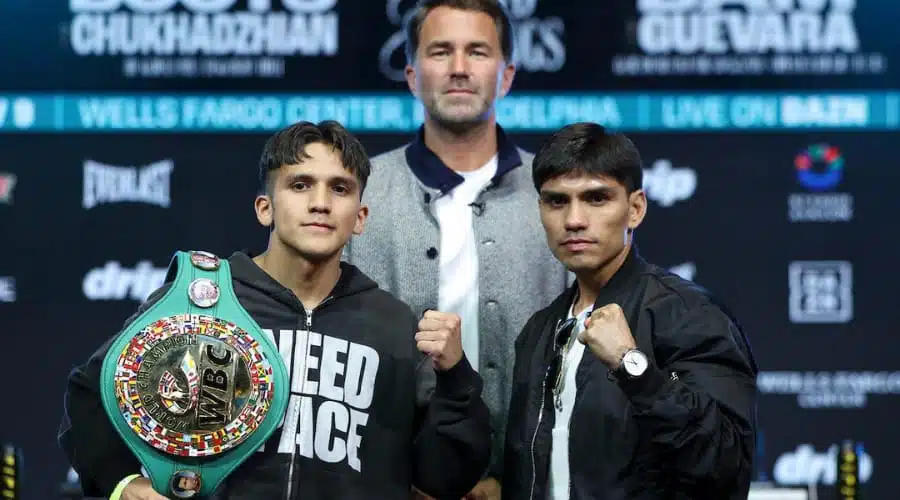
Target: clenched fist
column 608, row 335
column 439, row 337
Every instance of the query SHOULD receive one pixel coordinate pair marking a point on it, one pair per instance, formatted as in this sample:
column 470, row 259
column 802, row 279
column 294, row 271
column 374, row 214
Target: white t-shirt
column 458, row 290
column 559, row 451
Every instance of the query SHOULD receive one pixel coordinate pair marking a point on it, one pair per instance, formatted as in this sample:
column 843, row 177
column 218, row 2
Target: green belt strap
column 193, row 385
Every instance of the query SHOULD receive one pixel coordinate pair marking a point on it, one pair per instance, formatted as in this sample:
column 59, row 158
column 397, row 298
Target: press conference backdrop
column 768, row 130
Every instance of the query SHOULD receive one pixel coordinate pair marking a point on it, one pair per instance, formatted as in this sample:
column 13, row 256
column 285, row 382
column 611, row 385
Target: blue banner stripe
column 392, row 113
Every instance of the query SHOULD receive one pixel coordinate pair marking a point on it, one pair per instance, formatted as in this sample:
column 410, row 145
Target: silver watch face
column 635, row 363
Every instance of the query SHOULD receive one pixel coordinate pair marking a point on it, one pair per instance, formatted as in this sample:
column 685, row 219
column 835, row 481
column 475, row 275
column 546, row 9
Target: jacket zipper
column 540, row 418
column 534, row 437
column 290, row 481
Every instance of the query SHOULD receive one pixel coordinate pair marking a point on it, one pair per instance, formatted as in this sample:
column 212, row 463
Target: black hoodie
column 421, row 428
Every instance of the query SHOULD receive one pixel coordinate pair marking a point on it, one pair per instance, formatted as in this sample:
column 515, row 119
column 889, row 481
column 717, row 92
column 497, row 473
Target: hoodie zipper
column 290, row 481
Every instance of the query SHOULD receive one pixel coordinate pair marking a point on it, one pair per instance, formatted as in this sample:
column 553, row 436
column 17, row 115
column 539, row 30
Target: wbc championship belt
column 193, row 385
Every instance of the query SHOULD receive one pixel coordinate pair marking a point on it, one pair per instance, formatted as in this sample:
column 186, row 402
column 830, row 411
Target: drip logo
column 806, row 466
column 114, row 282
column 666, row 184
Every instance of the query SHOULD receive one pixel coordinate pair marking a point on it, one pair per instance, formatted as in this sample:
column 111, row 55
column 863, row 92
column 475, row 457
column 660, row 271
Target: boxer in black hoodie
column 383, row 401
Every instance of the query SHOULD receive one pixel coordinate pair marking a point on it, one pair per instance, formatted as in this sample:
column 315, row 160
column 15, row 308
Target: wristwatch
column 634, row 364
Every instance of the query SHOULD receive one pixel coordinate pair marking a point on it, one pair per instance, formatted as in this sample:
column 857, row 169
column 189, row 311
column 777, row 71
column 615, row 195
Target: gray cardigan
column 518, row 275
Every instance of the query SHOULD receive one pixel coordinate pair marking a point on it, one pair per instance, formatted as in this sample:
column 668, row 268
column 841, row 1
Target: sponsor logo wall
column 778, row 194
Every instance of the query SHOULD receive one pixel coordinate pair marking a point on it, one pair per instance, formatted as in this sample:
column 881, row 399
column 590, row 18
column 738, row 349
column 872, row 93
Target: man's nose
column 320, row 199
column 576, row 217
column 459, row 64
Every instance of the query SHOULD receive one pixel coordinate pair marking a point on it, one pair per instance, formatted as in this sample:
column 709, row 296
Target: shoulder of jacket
column 520, row 177
column 675, row 293
column 396, row 156
column 387, row 169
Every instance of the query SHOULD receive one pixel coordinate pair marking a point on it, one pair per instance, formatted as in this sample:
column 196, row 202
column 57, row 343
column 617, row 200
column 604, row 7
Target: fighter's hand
column 140, row 489
column 439, row 337
column 608, row 335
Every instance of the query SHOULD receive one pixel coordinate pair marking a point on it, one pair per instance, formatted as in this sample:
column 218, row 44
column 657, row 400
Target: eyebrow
column 602, row 191
column 446, row 44
column 347, row 179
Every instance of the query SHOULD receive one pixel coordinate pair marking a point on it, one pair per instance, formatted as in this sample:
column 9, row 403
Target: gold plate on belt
column 193, row 385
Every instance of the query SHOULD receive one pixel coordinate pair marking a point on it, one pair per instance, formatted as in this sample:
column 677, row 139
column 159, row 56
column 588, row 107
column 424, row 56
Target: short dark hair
column 493, row 8
column 589, row 148
column 288, row 147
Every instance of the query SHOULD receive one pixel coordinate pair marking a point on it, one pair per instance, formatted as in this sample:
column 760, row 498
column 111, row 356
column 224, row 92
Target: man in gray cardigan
column 454, row 223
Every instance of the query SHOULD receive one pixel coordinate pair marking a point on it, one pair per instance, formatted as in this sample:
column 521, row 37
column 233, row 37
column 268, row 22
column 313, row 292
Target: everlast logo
column 148, row 184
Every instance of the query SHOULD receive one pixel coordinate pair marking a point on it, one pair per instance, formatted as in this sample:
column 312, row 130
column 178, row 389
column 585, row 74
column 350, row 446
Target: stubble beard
column 459, row 124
